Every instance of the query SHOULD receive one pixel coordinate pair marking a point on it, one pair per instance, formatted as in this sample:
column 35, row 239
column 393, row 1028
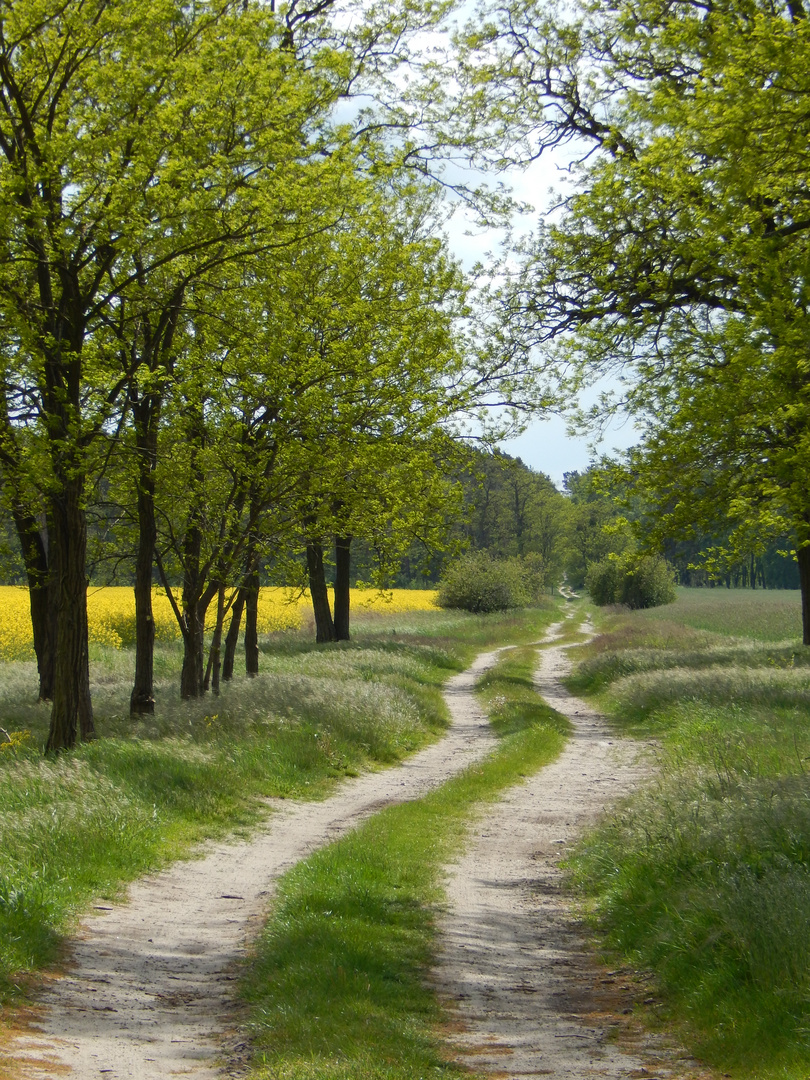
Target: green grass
column 704, row 878
column 337, row 987
column 761, row 614
column 81, row 826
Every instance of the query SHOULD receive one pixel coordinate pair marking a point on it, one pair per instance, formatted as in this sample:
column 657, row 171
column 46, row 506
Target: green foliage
column 636, row 582
column 704, row 877
column 512, row 510
column 479, row 583
column 604, row 582
column 679, row 257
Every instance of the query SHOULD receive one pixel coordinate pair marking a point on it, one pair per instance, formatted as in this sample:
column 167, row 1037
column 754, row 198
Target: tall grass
column 81, row 826
column 704, row 878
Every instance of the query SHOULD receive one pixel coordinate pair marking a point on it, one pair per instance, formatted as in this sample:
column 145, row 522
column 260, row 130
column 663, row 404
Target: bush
column 650, row 584
column 639, row 583
column 479, row 583
column 604, row 581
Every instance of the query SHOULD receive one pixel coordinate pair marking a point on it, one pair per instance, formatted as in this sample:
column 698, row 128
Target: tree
column 679, row 262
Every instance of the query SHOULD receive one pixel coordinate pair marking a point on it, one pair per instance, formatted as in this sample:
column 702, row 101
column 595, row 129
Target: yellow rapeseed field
column 111, row 614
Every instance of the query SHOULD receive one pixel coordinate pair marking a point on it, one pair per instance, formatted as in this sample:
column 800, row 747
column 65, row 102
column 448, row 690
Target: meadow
column 79, row 827
column 703, row 879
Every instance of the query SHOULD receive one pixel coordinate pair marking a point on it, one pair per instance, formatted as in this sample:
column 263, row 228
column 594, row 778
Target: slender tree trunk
column 42, row 595
column 215, row 655
column 324, row 626
column 803, row 556
column 146, row 416
column 142, row 700
column 232, row 637
column 71, row 712
column 343, row 563
column 252, row 624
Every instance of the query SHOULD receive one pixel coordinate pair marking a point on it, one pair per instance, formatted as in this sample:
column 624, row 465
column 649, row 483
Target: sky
column 545, row 445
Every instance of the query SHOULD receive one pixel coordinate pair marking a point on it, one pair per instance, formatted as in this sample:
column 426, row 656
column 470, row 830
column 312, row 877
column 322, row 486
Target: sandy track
column 526, row 996
column 148, row 992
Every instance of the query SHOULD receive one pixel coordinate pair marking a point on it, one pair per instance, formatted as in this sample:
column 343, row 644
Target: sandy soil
column 527, row 997
column 147, row 992
column 148, row 988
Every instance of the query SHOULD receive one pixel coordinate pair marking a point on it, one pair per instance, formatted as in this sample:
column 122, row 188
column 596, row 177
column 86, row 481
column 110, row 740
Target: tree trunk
column 343, row 564
column 192, row 677
column 215, row 656
column 146, row 416
column 803, row 556
column 142, row 699
column 42, row 596
column 324, row 626
column 72, row 711
column 252, row 624
column 232, row 637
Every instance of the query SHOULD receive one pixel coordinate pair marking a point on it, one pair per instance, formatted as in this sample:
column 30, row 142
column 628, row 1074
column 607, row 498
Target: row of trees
column 228, row 323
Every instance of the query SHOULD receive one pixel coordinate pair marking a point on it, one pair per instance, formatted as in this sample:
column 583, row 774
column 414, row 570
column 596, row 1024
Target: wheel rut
column 525, row 995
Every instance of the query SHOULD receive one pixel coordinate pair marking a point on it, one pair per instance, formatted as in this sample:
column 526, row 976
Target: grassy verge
column 82, row 826
column 337, row 987
column 704, row 879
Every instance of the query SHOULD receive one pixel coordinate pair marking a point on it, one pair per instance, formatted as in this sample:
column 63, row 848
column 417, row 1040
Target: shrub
column 650, row 583
column 637, row 582
column 604, row 581
column 479, row 583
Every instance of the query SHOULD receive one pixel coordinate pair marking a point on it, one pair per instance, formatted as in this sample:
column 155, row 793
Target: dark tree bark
column 324, row 625
column 252, row 624
column 147, row 407
column 232, row 637
column 71, row 708
column 343, row 563
column 192, row 676
column 214, row 666
column 42, row 595
column 142, row 700
column 803, row 556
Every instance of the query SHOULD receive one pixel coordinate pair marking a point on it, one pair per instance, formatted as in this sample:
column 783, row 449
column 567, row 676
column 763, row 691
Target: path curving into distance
column 526, row 997
column 148, row 989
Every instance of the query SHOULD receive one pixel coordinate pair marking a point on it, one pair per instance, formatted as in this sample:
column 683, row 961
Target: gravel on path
column 148, row 989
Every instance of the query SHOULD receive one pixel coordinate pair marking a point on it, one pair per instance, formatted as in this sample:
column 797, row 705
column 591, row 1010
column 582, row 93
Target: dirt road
column 526, row 996
column 148, row 992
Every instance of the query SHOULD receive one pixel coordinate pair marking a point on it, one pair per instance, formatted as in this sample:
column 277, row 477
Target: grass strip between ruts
column 336, row 985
